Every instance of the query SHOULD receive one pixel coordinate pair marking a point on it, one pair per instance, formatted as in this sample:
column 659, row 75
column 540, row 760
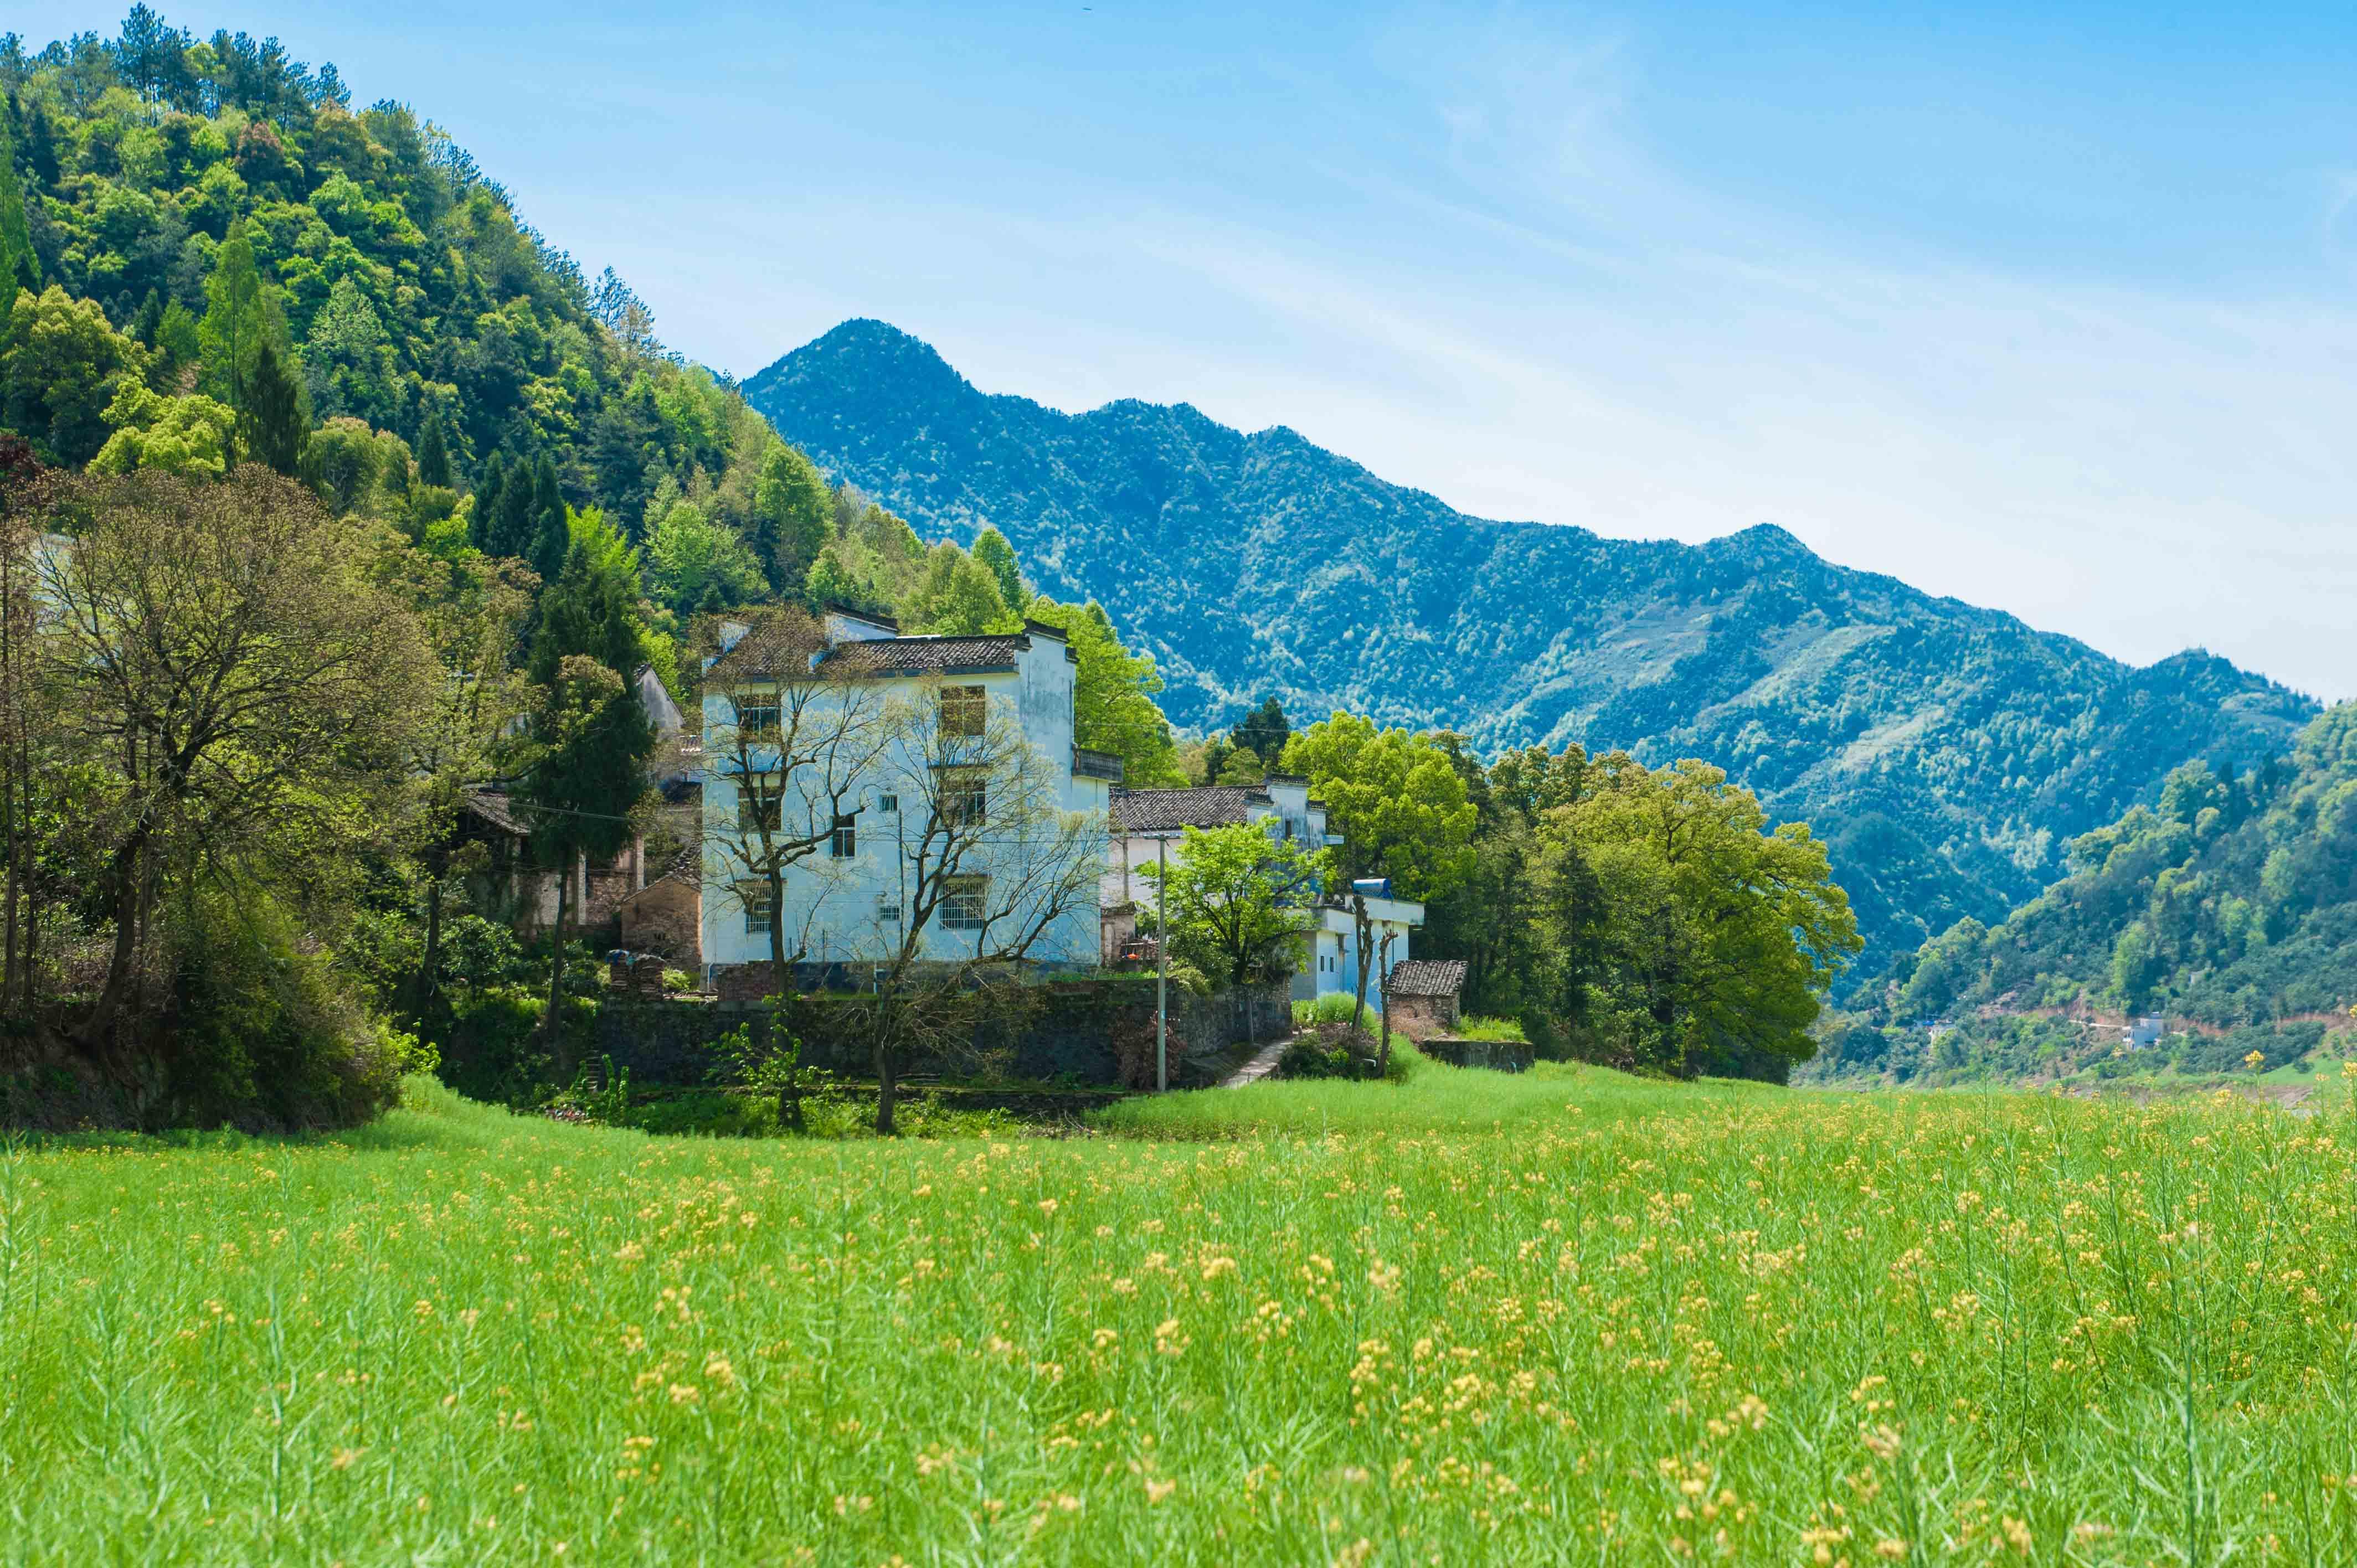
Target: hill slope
column 1946, row 750
column 2228, row 910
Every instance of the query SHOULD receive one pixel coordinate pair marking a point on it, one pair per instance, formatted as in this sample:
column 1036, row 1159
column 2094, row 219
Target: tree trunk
column 124, row 882
column 556, row 968
column 886, row 1088
column 1364, row 927
column 429, row 969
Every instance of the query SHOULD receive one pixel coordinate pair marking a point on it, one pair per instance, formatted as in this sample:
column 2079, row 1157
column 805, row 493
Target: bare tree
column 993, row 869
column 798, row 739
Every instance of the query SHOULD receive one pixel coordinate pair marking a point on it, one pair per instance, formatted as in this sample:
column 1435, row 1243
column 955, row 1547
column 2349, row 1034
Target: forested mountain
column 2228, row 910
column 1946, row 751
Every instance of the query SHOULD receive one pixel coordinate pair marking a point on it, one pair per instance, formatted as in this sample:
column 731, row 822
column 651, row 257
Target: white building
column 844, row 905
column 1146, row 821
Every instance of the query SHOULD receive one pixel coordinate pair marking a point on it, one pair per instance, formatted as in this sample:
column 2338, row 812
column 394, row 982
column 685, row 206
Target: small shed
column 1420, row 995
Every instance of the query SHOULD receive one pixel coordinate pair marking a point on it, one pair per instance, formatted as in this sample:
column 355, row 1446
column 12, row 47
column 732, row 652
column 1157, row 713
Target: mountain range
column 1946, row 751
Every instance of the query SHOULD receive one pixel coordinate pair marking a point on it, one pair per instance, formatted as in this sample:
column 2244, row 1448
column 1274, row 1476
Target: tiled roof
column 494, row 807
column 1427, row 977
column 1087, row 763
column 889, row 656
column 1167, row 811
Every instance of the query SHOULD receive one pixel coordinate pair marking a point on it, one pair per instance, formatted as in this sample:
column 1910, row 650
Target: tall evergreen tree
column 434, row 455
column 550, row 538
column 1263, row 731
column 41, row 150
column 20, row 267
column 511, row 525
column 274, row 425
column 488, row 485
column 238, row 320
column 990, row 548
column 149, row 322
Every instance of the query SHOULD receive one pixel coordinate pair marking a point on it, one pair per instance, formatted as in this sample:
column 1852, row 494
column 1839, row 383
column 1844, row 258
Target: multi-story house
column 911, row 720
column 1148, row 823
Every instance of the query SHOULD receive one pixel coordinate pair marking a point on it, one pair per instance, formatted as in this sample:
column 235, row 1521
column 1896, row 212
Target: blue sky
column 2044, row 307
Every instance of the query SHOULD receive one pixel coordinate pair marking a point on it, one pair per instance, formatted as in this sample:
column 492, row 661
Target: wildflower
column 1104, row 1338
column 344, row 1457
column 1158, row 1490
column 1048, row 1207
column 685, row 1393
column 717, row 1368
column 2255, row 1060
column 1168, row 1339
column 1890, row 1549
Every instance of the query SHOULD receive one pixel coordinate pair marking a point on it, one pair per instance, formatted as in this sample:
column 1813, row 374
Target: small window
column 756, row 717
column 844, row 842
column 965, row 798
column 966, row 903
column 758, row 803
column 760, row 909
column 888, row 802
column 963, row 710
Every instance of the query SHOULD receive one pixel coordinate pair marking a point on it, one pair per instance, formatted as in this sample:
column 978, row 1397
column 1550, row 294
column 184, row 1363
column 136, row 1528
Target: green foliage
column 1395, row 796
column 273, row 426
column 954, row 596
column 1237, row 901
column 695, row 565
column 186, row 436
column 2232, row 901
column 263, row 1036
column 20, row 266
column 1263, row 732
column 1112, row 696
column 998, row 556
column 1714, row 940
column 59, row 366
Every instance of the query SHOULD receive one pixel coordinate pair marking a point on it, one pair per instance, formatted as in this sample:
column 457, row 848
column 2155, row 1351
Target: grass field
column 1562, row 1317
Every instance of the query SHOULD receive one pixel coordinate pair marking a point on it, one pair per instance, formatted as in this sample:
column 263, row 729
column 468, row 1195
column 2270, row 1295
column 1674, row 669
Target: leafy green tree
column 990, row 548
column 1718, row 937
column 695, row 564
column 584, row 779
column 60, row 363
column 551, row 531
column 191, row 435
column 1263, row 732
column 274, row 425
column 177, row 348
column 793, row 513
column 239, row 320
column 588, row 739
column 954, row 597
column 433, row 454
column 1395, row 798
column 20, row 265
column 1112, row 696
column 1237, row 901
column 1401, row 810
column 488, row 486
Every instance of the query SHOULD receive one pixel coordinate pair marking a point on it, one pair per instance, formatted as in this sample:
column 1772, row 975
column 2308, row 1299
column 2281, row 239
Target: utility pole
column 1162, row 968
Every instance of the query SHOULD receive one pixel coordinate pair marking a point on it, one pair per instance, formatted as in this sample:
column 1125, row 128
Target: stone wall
column 1498, row 1055
column 1099, row 1031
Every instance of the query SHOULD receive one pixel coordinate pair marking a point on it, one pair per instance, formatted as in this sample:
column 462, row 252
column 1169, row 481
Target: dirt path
column 1263, row 1063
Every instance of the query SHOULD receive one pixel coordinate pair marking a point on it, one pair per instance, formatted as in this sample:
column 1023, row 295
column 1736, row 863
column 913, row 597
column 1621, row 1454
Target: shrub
column 264, row 1038
column 1335, row 1050
column 1490, row 1029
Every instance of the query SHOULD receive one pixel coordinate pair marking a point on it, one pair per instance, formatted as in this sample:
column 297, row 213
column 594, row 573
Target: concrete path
column 1260, row 1066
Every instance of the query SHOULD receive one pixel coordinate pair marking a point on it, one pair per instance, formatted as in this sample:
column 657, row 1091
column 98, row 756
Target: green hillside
column 2227, row 910
column 187, row 203
column 1947, row 752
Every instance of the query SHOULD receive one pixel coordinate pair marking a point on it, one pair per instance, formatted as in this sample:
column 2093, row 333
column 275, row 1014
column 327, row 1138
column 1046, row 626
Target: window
column 758, row 803
column 966, row 903
column 844, row 842
column 760, row 909
column 756, row 717
column 965, row 798
column 888, row 802
column 963, row 710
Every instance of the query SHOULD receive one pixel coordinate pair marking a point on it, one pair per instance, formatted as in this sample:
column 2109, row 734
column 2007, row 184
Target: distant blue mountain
column 1946, row 751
